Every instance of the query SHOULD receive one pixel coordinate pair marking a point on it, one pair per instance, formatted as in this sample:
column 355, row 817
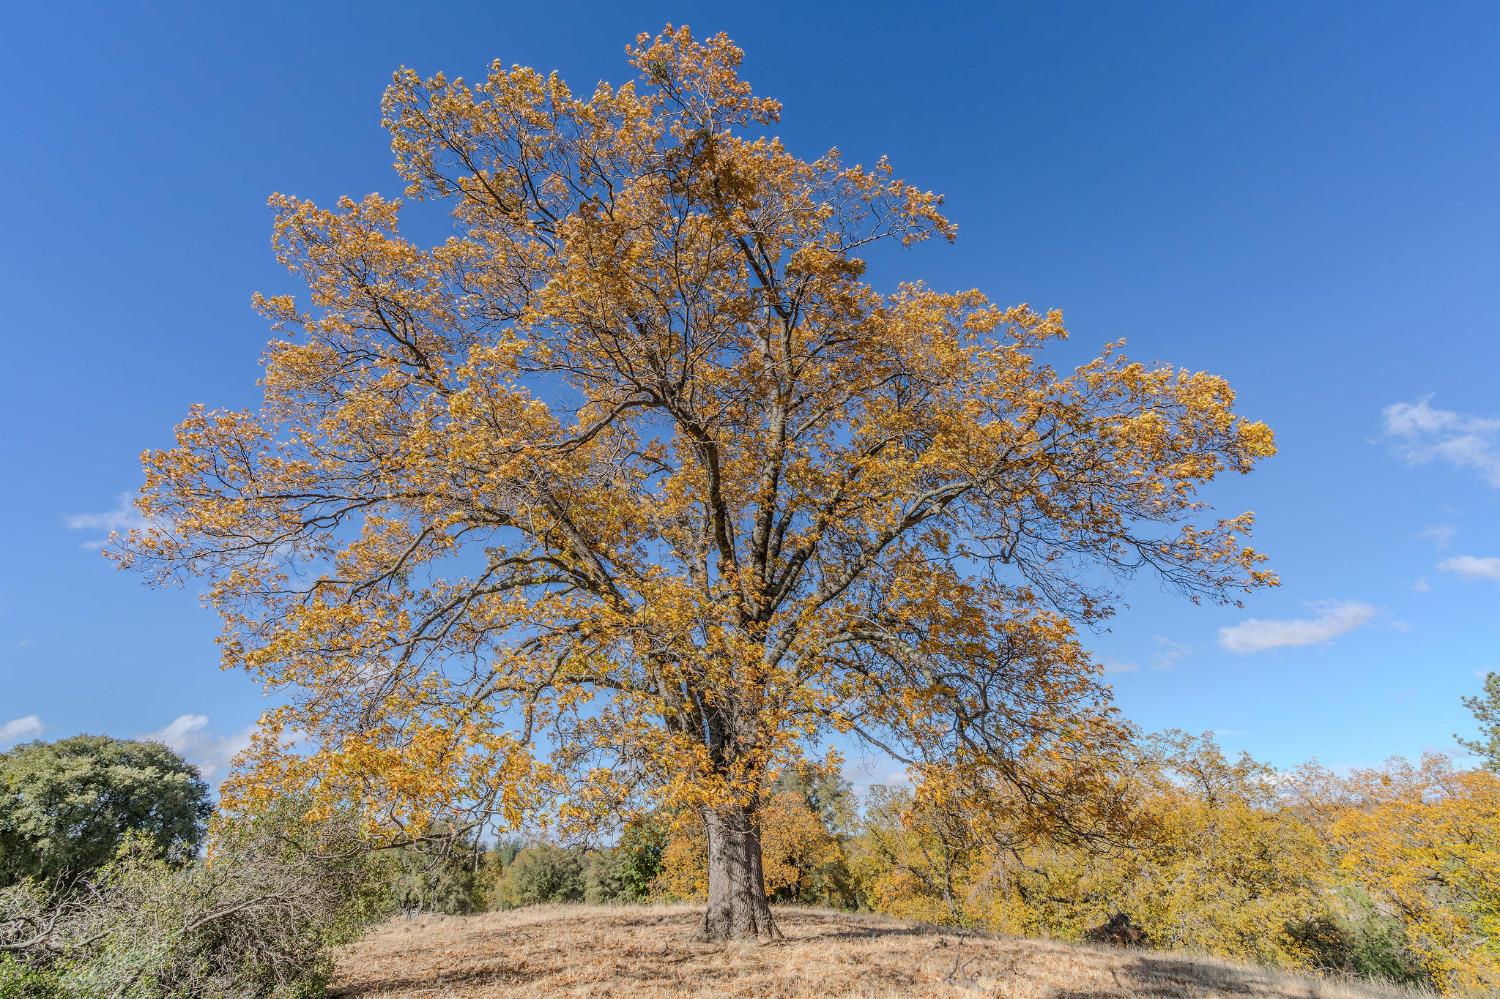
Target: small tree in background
column 1486, row 709
column 1423, row 839
column 66, row 806
column 642, row 844
column 542, row 873
column 438, row 873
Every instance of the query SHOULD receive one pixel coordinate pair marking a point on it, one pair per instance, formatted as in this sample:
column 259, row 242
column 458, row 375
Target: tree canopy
column 635, row 487
column 66, row 806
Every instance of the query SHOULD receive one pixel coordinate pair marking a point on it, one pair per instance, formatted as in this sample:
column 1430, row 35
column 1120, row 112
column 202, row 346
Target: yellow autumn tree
column 1218, row 864
column 1424, row 840
column 1204, row 858
column 633, row 487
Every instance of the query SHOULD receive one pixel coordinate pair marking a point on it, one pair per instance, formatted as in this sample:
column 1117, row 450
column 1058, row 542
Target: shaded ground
column 640, row 951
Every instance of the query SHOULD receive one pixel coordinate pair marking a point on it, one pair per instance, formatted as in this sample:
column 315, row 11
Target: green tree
column 1486, row 709
column 542, row 873
column 641, row 845
column 66, row 806
column 438, row 874
column 606, row 877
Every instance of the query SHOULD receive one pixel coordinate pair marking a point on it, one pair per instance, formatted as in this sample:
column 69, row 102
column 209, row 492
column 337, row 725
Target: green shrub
column 605, row 878
column 642, row 845
column 541, row 874
column 1357, row 939
column 447, row 875
column 253, row 921
column 23, row 981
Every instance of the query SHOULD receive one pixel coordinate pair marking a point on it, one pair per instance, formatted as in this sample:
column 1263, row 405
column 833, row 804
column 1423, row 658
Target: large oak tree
column 633, row 489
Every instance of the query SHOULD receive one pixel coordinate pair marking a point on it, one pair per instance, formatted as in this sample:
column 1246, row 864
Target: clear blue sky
column 1301, row 197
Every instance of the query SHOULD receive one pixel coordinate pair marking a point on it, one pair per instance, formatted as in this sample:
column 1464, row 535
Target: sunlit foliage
column 634, row 487
column 1424, row 841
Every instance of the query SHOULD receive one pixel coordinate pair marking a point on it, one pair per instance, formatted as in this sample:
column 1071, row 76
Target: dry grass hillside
column 645, row 952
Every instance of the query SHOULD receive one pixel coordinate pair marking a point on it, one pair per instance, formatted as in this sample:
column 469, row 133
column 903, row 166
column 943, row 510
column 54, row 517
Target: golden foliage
column 1424, row 840
column 1228, row 857
column 633, row 487
column 1209, row 861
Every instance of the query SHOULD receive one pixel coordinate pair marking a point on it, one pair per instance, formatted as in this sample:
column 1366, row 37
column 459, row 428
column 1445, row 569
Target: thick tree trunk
column 737, row 906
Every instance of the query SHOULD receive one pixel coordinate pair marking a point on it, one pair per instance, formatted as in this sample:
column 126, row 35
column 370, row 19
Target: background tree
column 1217, row 864
column 1423, row 839
column 1486, row 709
column 542, row 873
column 66, row 806
column 440, row 873
column 634, row 488
column 916, row 859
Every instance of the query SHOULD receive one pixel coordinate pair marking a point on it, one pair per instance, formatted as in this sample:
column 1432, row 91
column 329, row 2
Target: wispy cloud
column 1441, row 535
column 210, row 753
column 1334, row 618
column 1421, row 585
column 124, row 517
column 1471, row 567
column 19, row 729
column 1169, row 653
column 1421, row 434
column 1115, row 666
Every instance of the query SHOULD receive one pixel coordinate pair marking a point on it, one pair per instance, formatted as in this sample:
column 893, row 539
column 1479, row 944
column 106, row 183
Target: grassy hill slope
column 641, row 951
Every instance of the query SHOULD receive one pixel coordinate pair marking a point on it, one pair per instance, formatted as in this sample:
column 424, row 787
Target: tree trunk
column 737, row 905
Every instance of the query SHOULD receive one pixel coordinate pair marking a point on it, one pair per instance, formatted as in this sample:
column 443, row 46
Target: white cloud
column 19, row 729
column 1441, row 535
column 1169, row 653
column 1115, row 666
column 1334, row 618
column 124, row 517
column 1471, row 567
column 1421, row 585
column 210, row 753
column 1422, row 434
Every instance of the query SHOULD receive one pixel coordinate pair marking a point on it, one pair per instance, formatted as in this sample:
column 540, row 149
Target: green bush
column 642, row 845
column 22, row 981
column 541, row 874
column 447, row 875
column 253, row 921
column 1357, row 939
column 606, row 879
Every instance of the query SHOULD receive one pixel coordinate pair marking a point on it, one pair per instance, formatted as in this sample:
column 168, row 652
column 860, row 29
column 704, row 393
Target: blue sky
column 1298, row 196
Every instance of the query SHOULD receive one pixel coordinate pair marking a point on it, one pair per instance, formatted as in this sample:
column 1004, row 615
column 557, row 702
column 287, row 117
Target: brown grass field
column 645, row 952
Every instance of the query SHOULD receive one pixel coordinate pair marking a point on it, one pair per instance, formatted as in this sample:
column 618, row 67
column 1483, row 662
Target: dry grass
column 645, row 952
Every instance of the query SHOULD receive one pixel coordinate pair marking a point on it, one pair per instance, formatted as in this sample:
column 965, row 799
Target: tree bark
column 737, row 904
